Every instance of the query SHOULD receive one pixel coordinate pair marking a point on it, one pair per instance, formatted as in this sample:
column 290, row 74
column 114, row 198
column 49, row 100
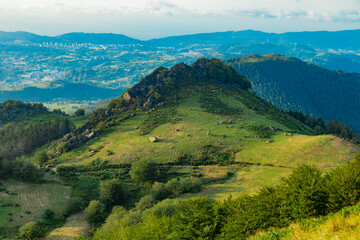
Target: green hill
column 187, row 131
column 291, row 84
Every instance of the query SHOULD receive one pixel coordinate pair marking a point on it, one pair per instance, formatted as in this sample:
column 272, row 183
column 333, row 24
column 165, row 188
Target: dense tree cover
column 20, row 169
column 12, row 110
column 306, row 192
column 291, row 84
column 332, row 127
column 19, row 139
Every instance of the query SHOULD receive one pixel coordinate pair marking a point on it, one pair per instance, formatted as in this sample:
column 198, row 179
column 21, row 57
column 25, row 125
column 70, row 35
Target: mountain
column 292, row 84
column 316, row 39
column 23, row 36
column 76, row 37
column 97, row 38
column 69, row 91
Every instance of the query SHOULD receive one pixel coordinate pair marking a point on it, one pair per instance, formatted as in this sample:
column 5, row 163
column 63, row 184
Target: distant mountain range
column 319, row 39
column 94, row 38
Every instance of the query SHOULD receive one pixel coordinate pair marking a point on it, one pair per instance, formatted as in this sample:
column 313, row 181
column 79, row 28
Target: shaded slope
column 291, row 84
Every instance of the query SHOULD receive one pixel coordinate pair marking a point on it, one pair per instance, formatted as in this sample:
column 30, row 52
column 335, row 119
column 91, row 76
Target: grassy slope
column 342, row 225
column 265, row 163
column 31, row 197
column 75, row 226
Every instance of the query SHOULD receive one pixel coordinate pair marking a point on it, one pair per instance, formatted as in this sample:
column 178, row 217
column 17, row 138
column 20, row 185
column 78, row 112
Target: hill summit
column 158, row 86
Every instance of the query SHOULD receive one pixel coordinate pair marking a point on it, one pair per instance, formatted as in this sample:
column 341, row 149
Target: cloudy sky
column 146, row 19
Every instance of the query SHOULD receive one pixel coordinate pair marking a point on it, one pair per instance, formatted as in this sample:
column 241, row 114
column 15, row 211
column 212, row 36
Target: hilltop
column 291, row 84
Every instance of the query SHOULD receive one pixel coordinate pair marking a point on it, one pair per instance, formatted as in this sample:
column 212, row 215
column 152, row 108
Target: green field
column 29, row 200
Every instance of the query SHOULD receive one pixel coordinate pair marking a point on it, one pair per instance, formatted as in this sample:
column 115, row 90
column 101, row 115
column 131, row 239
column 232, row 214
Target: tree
column 48, row 214
column 79, row 113
column 143, row 171
column 95, row 212
column 29, row 231
column 41, row 158
column 112, row 193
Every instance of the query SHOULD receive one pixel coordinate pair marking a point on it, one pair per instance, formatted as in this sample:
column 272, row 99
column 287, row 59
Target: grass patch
column 30, row 201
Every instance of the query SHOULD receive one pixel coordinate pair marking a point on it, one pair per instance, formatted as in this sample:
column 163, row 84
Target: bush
column 160, row 191
column 41, row 158
column 343, row 185
column 29, row 231
column 48, row 214
column 112, row 192
column 96, row 212
column 80, row 112
column 143, row 171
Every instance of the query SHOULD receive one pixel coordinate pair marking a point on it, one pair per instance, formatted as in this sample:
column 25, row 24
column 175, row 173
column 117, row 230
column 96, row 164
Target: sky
column 146, row 19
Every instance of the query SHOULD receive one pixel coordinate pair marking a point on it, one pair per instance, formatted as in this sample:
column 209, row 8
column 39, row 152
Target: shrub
column 48, row 214
column 29, row 231
column 41, row 158
column 112, row 192
column 96, row 212
column 80, row 112
column 343, row 185
column 143, row 171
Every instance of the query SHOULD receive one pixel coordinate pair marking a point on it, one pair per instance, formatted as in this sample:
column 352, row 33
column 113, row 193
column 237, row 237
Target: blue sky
column 146, row 19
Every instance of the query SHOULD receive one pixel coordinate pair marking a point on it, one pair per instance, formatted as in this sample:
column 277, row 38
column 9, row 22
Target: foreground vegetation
column 306, row 192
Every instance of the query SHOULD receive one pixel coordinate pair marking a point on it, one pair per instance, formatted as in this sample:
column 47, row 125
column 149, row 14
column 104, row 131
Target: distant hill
column 71, row 91
column 292, row 84
column 76, row 37
column 97, row 38
column 317, row 39
column 23, row 36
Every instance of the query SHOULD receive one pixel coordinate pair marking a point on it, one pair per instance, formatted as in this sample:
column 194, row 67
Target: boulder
column 127, row 97
column 153, row 139
column 91, row 135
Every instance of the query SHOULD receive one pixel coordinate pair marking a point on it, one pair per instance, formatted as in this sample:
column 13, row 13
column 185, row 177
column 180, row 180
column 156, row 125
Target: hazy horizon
column 144, row 19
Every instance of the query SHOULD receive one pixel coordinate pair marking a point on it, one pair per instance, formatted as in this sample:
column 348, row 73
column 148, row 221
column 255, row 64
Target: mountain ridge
column 318, row 39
